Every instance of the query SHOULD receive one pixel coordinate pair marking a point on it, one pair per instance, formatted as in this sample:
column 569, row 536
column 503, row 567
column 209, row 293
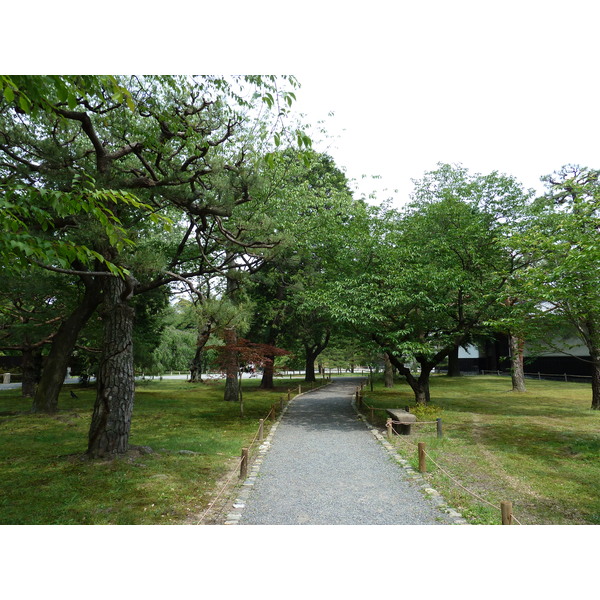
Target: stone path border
column 413, row 475
column 235, row 513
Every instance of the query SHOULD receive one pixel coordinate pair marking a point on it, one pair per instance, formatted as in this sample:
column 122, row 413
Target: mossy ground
column 47, row 480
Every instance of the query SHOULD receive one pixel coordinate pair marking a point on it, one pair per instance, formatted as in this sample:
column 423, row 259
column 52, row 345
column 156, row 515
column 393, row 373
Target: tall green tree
column 187, row 147
column 314, row 207
column 425, row 279
column 563, row 240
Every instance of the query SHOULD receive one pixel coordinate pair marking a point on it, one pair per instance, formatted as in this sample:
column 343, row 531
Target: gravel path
column 325, row 468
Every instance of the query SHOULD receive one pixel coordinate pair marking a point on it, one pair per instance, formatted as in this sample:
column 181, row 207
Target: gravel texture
column 323, row 467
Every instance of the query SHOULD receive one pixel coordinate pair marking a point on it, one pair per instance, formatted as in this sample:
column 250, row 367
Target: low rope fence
column 508, row 518
column 549, row 376
column 248, row 453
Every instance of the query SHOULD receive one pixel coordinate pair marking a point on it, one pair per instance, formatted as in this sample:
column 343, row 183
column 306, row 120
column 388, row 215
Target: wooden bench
column 404, row 418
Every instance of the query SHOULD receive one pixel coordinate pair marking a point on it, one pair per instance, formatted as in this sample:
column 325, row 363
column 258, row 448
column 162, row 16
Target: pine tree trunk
column 57, row 361
column 196, row 364
column 388, row 375
column 516, row 359
column 111, row 419
column 232, row 367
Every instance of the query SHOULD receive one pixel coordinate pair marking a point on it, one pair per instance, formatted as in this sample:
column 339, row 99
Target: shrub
column 426, row 412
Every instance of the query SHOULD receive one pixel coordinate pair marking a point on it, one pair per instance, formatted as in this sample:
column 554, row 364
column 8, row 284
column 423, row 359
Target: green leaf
column 24, row 103
column 9, row 94
column 71, row 100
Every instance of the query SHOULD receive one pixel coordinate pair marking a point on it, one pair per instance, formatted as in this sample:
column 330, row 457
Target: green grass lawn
column 539, row 449
column 45, row 479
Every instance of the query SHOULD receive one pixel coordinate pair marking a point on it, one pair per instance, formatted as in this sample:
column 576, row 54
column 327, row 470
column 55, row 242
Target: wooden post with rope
column 388, row 424
column 422, row 465
column 261, row 430
column 439, row 427
column 506, row 510
column 244, row 464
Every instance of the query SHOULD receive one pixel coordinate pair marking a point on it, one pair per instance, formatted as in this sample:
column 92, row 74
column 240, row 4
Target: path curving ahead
column 325, row 467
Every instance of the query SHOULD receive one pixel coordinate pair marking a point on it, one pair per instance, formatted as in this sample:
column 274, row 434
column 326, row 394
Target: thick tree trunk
column 32, row 368
column 453, row 362
column 266, row 383
column 232, row 367
column 592, row 341
column 516, row 359
column 388, row 375
column 309, row 366
column 311, row 353
column 57, row 361
column 196, row 364
column 596, row 383
column 419, row 385
column 111, row 419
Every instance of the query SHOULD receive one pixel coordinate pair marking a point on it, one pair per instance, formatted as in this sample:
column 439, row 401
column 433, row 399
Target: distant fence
column 549, row 376
column 7, row 378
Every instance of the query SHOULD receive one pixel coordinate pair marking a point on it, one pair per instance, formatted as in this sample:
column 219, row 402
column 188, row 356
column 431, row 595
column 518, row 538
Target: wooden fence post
column 281, row 404
column 244, row 464
column 439, row 428
column 422, row 465
column 261, row 424
column 299, row 389
column 506, row 509
column 388, row 424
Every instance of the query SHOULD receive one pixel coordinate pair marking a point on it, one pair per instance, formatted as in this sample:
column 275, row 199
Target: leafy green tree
column 563, row 241
column 187, row 147
column 425, row 279
column 314, row 206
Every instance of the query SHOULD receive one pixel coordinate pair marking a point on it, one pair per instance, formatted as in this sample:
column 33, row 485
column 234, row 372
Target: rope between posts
column 450, row 476
column 233, row 473
column 414, row 423
column 239, row 464
column 211, row 504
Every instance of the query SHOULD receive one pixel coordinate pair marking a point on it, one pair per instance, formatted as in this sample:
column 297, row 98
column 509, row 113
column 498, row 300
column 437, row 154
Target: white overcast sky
column 509, row 86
